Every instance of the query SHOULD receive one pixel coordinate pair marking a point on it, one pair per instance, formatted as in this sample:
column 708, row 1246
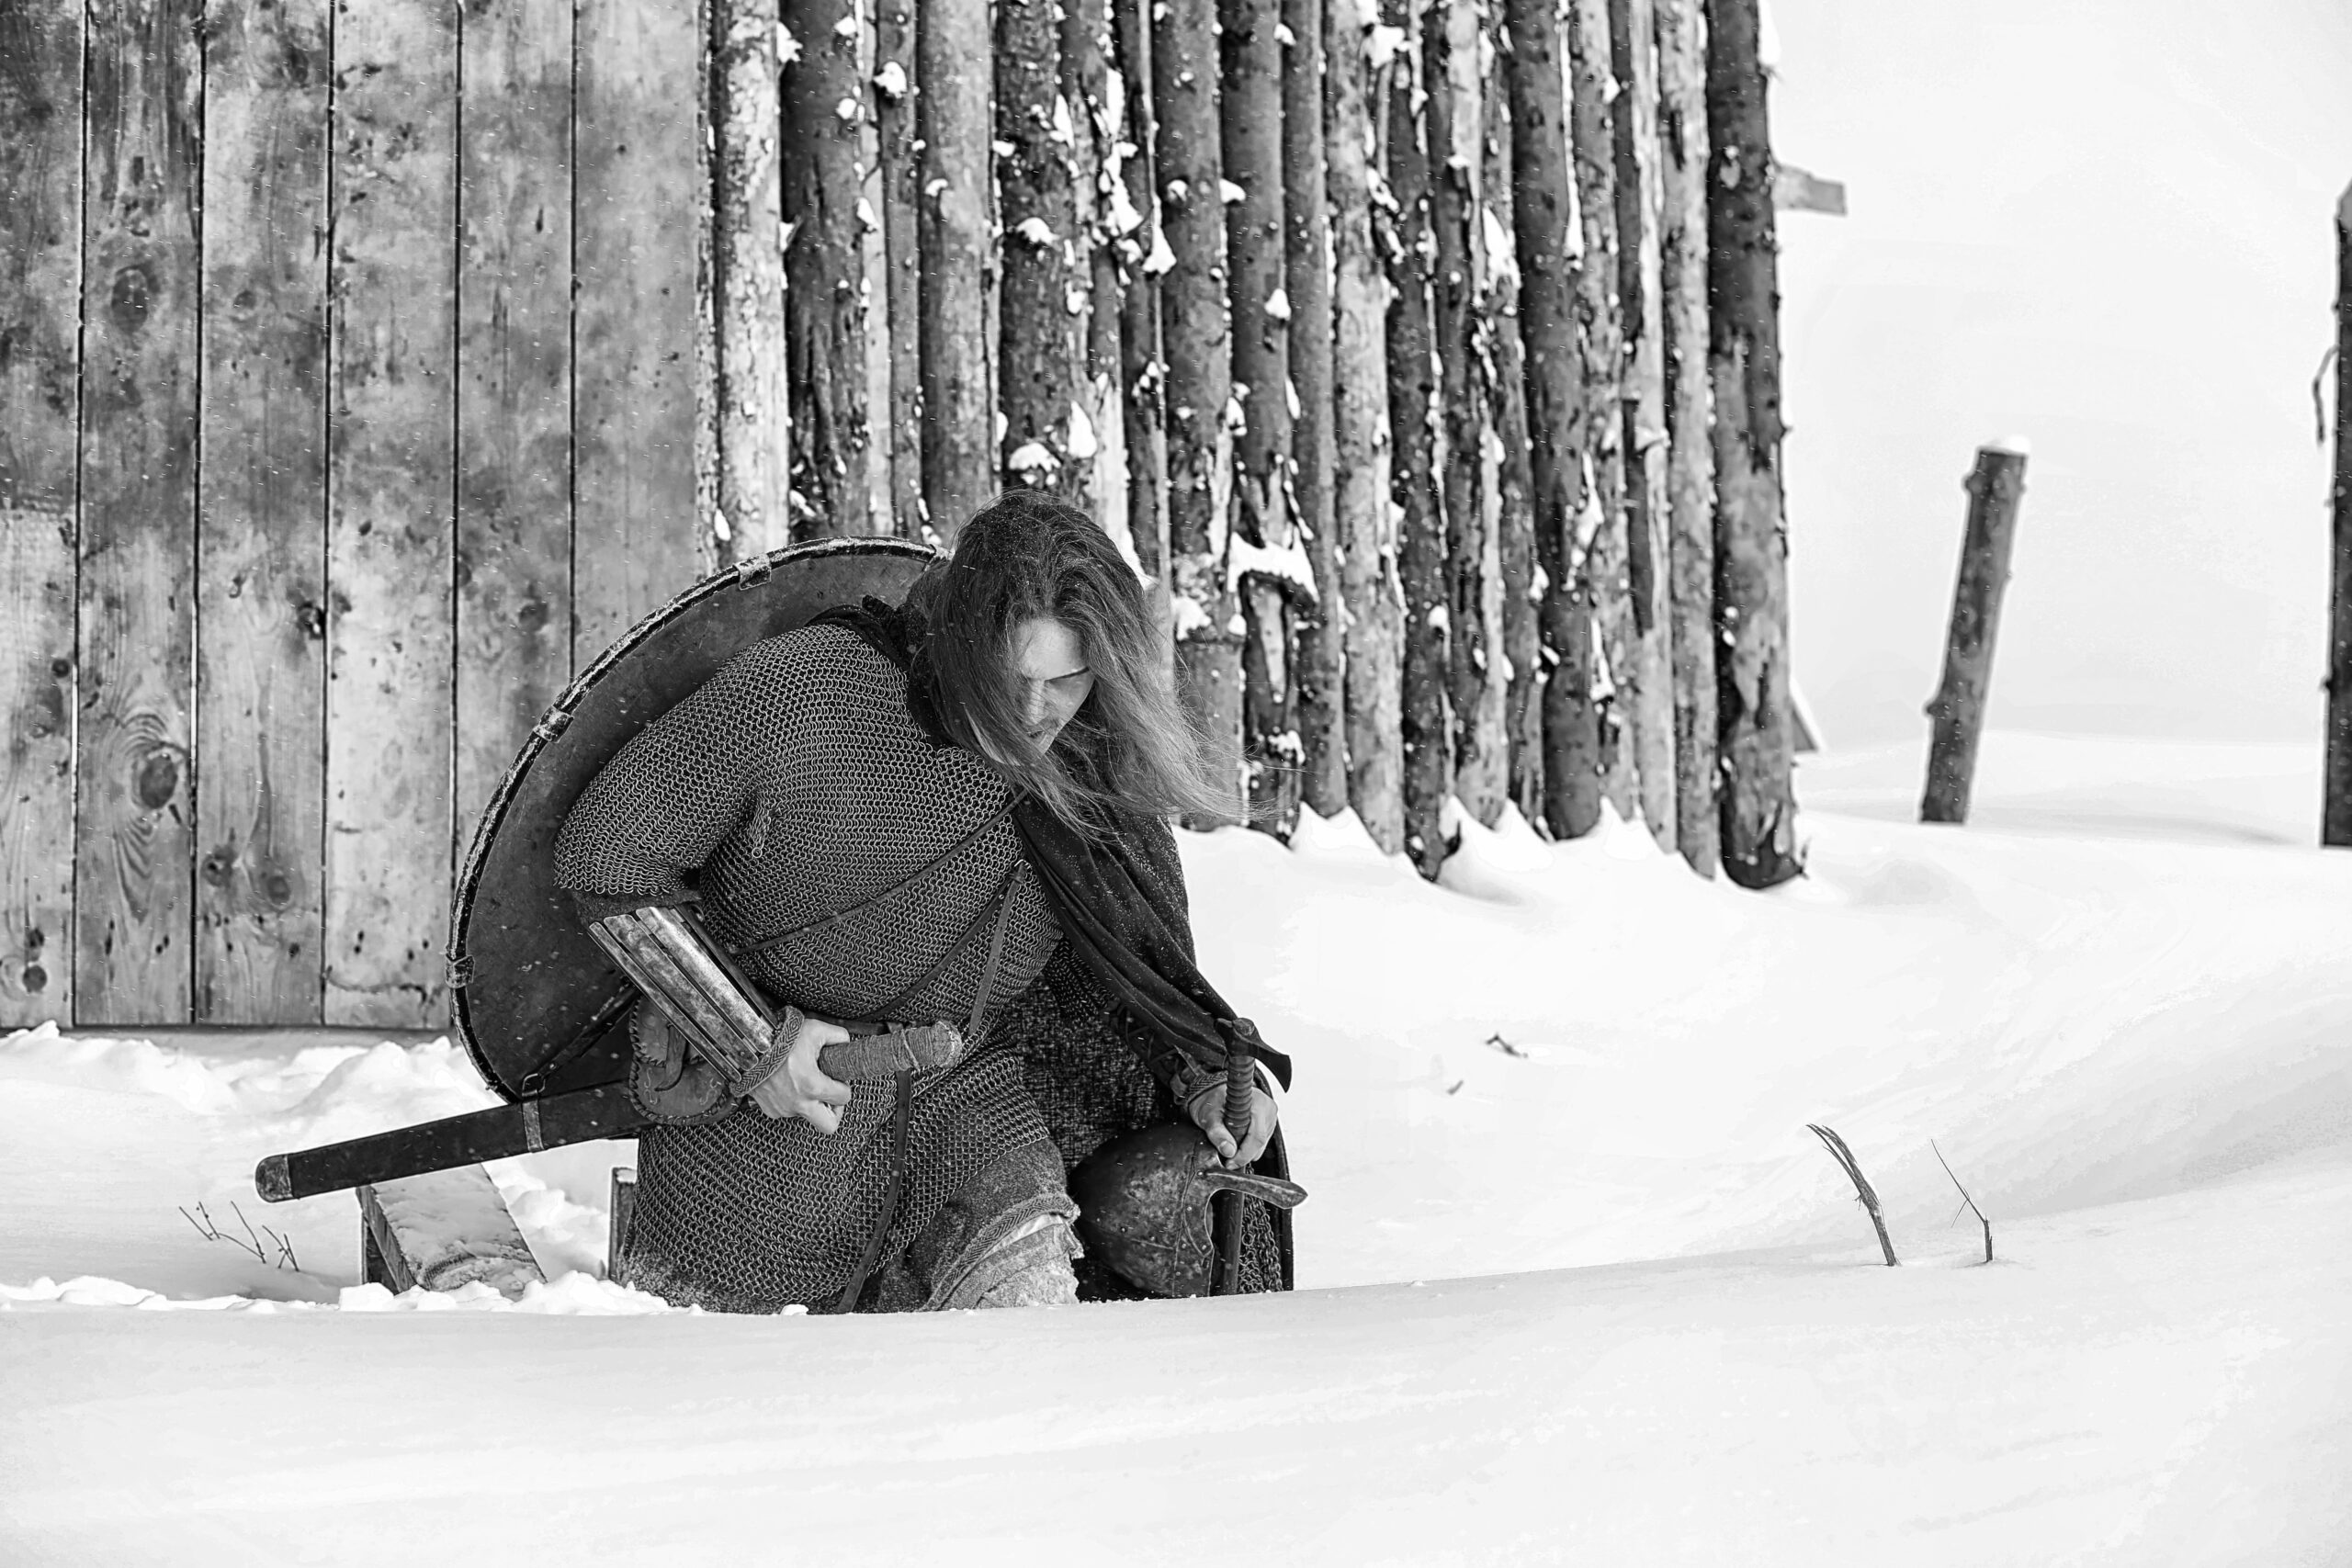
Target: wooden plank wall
column 347, row 407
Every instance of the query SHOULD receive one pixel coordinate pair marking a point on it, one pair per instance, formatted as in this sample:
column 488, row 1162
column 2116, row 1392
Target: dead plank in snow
column 40, row 272
column 514, row 534
column 441, row 1231
column 261, row 589
column 634, row 535
column 393, row 257
column 135, row 820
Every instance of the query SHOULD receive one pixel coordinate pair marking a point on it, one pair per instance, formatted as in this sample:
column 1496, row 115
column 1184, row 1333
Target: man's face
column 1055, row 680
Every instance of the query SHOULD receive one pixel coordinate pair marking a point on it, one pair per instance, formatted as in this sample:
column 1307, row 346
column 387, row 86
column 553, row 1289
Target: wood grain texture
column 514, row 525
column 393, row 265
column 40, row 274
column 634, row 532
column 1041, row 341
column 1143, row 375
column 261, row 589
column 135, row 815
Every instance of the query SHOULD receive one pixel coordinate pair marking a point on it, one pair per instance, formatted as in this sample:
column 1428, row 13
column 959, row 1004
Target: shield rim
column 746, row 573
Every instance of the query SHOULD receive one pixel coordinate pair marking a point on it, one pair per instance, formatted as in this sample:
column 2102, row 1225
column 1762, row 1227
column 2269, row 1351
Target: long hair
column 1130, row 748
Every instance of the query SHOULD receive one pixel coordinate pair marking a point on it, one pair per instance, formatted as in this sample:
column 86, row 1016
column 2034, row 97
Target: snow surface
column 1578, row 1284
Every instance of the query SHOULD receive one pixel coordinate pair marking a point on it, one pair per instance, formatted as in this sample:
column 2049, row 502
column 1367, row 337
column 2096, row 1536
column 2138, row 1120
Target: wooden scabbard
column 553, row 1121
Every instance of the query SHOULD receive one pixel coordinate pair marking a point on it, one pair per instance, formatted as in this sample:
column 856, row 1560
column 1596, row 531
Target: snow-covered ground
column 1580, row 1284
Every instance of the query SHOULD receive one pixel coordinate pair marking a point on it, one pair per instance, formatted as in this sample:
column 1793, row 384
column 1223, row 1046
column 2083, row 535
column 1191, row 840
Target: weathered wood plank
column 134, row 815
column 41, row 273
column 633, row 334
column 443, row 1231
column 261, row 588
column 393, row 264
column 514, row 385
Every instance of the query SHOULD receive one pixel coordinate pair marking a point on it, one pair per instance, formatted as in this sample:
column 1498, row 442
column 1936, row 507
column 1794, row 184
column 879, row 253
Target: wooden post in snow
column 2336, row 828
column 824, row 96
column 1995, row 488
column 955, row 78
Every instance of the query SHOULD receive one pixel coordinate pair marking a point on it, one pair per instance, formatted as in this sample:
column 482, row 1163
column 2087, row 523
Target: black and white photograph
column 1164, row 781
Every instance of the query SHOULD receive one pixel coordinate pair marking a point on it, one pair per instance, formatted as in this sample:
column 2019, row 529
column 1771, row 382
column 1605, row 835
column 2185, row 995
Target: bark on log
column 824, row 115
column 747, row 281
column 1543, row 228
column 1689, row 410
column 1250, row 114
column 1514, row 485
column 1185, row 94
column 1413, row 482
column 2336, row 819
column 1633, row 58
column 1758, row 809
column 1600, row 435
column 1474, row 688
column 899, row 163
column 1373, row 613
column 953, row 233
column 1096, row 435
column 1320, row 628
column 1040, row 300
column 1143, row 257
column 1995, row 488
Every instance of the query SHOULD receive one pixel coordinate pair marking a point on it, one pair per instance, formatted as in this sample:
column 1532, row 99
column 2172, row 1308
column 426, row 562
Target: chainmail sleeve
column 654, row 814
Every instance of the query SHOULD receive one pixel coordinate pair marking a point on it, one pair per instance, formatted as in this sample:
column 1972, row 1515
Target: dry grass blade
column 1845, row 1157
column 1967, row 1200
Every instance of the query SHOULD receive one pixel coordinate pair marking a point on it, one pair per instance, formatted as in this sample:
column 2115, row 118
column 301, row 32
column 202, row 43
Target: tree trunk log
column 1039, row 335
column 1143, row 256
column 1475, row 687
column 1514, row 485
column 1634, row 59
column 953, row 233
column 1184, row 93
column 1995, row 489
column 2336, row 821
column 1600, row 338
column 1689, row 410
column 1751, row 550
column 901, row 168
column 747, row 263
column 1542, row 210
column 824, row 297
column 1371, row 614
column 1320, row 651
column 1251, row 52
column 1412, row 390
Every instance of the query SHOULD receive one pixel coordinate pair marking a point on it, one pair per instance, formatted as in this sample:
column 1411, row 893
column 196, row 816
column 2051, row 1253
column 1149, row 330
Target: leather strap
column 873, row 1254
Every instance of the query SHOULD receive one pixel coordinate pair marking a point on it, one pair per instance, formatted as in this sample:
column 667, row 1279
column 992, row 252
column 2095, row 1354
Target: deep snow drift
column 1568, row 1091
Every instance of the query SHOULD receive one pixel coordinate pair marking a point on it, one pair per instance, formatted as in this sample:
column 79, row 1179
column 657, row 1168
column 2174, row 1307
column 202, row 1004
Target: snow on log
column 2337, row 820
column 443, row 1230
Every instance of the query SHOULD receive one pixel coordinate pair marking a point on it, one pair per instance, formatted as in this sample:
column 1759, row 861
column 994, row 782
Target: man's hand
column 1207, row 1112
column 798, row 1086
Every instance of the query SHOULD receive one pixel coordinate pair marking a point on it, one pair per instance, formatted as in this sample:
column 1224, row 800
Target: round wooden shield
column 537, row 1004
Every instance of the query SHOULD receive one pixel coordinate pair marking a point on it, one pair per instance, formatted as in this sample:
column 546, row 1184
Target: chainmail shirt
column 791, row 786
